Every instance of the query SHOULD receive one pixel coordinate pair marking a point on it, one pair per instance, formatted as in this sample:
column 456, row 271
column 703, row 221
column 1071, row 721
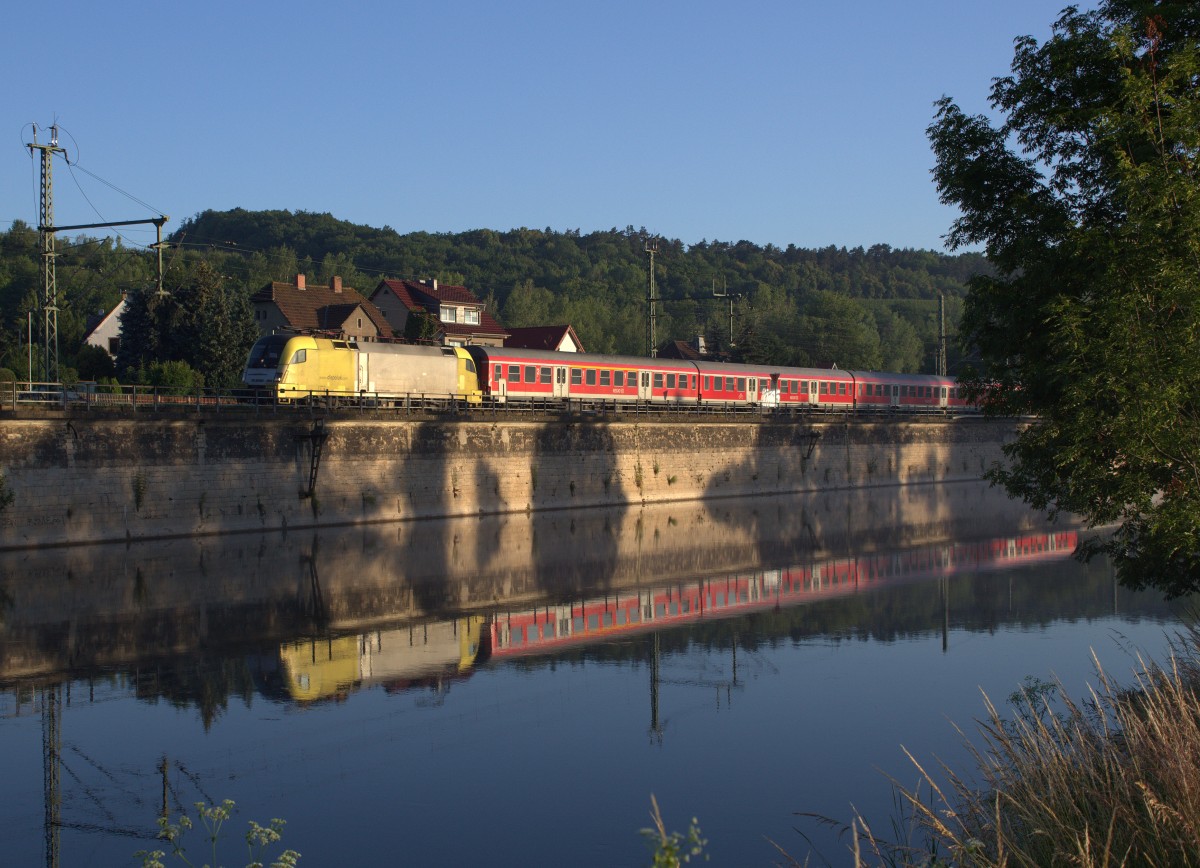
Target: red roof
column 425, row 297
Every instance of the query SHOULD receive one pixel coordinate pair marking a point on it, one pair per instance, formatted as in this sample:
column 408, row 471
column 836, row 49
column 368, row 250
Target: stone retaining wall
column 87, row 479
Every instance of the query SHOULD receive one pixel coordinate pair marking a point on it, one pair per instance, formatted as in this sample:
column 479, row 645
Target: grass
column 1112, row 780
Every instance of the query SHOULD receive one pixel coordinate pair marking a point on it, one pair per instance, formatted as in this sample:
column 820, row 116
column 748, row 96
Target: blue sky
column 775, row 122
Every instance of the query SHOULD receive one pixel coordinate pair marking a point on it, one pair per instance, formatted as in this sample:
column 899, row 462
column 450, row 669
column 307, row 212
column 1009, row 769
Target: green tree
column 1087, row 199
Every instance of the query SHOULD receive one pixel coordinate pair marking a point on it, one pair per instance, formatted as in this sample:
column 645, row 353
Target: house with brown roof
column 557, row 338
column 459, row 317
column 334, row 309
column 695, row 350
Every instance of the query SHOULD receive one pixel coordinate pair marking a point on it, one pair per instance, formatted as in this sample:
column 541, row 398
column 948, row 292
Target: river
column 512, row 690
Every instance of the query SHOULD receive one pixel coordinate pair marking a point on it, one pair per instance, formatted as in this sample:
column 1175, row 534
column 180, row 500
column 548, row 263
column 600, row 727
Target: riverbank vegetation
column 1086, row 199
column 1109, row 780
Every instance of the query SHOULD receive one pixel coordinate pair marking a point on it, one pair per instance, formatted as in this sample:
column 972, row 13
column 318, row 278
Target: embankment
column 82, row 479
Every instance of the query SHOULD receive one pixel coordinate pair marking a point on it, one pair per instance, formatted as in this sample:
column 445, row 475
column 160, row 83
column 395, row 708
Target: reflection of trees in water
column 207, row 682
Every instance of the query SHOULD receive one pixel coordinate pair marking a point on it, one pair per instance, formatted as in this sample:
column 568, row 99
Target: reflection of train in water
column 433, row 654
column 424, row 654
column 543, row 629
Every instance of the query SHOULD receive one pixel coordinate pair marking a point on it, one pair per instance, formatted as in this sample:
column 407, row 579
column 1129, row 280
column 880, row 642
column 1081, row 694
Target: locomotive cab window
column 298, row 357
column 470, row 366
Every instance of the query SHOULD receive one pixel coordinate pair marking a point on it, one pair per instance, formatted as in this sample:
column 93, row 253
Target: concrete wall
column 87, row 479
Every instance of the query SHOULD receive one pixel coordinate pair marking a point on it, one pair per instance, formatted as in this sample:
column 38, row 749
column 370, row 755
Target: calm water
column 512, row 690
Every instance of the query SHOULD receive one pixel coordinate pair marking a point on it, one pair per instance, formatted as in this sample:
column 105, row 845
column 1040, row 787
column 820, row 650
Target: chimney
column 700, row 344
column 435, row 284
column 335, row 283
column 299, row 281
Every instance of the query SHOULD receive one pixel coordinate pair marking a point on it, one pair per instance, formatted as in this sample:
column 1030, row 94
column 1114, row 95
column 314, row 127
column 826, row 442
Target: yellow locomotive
column 298, row 367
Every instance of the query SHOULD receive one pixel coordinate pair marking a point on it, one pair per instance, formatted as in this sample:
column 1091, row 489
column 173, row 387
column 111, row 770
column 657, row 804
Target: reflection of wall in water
column 97, row 606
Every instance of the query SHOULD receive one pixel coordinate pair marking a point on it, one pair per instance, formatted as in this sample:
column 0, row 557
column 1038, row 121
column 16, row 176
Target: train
column 290, row 368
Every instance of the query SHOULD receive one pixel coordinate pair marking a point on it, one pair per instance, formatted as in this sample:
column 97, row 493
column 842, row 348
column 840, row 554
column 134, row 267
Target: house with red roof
column 334, row 309
column 556, row 338
column 457, row 316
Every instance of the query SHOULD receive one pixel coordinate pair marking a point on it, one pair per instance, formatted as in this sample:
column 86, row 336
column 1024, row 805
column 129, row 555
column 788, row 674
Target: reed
column 1111, row 780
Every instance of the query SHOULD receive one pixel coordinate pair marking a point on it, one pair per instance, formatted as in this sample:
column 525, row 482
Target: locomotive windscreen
column 265, row 352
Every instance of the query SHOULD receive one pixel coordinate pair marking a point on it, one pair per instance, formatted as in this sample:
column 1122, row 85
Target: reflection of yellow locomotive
column 301, row 366
column 327, row 668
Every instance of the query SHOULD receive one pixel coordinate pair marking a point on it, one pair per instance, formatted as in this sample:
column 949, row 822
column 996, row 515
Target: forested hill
column 873, row 307
column 857, row 308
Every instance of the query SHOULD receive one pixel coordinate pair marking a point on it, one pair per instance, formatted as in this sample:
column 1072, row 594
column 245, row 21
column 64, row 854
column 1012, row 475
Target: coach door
column 941, row 396
column 812, row 393
column 895, row 395
column 644, row 392
column 364, row 373
column 561, row 388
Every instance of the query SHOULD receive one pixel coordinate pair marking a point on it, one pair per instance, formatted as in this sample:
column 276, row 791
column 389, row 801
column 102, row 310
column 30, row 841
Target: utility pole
column 941, row 358
column 652, row 248
column 49, row 323
column 51, row 697
column 47, row 229
column 724, row 293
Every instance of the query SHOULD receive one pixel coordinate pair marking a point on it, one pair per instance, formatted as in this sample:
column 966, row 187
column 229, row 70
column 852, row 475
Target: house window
column 471, row 317
column 449, row 314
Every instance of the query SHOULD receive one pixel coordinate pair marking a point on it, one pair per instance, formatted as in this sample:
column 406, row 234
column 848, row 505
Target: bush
column 177, row 377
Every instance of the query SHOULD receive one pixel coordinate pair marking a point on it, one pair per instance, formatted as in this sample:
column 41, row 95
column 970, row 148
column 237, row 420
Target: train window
column 530, row 374
column 753, row 385
column 514, row 373
column 606, row 378
column 729, row 384
column 618, row 378
column 470, row 366
column 299, row 356
column 841, row 388
column 658, row 381
column 741, row 384
column 708, row 384
column 549, row 630
column 670, row 381
column 576, row 377
column 824, row 388
column 544, row 375
column 591, row 377
column 499, row 373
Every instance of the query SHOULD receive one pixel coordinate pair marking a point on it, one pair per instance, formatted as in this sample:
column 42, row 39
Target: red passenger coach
column 511, row 374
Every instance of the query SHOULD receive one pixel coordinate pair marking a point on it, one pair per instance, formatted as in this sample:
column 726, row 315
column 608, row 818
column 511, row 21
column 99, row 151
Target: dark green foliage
column 94, row 363
column 1092, row 321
